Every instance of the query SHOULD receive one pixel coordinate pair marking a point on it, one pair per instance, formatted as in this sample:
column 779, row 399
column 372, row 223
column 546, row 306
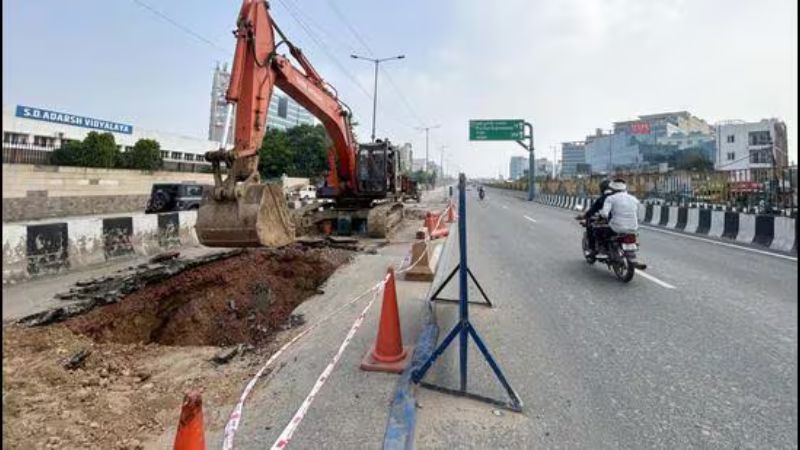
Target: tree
column 69, row 154
column 99, row 150
column 96, row 150
column 275, row 155
column 145, row 155
column 299, row 152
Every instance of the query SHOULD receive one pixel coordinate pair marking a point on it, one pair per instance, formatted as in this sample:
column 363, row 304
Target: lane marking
column 655, row 280
column 529, row 218
column 723, row 244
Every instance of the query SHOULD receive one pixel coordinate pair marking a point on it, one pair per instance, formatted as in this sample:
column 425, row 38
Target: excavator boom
column 242, row 211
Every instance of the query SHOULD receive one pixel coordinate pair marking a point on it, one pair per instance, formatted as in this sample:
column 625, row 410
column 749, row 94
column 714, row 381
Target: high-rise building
column 517, row 167
column 283, row 112
column 572, row 154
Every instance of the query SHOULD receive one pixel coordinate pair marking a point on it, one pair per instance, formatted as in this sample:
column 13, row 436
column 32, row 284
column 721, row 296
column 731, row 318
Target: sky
column 566, row 66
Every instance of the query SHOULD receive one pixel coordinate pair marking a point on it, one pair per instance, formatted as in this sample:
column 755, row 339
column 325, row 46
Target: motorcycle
column 620, row 251
column 481, row 194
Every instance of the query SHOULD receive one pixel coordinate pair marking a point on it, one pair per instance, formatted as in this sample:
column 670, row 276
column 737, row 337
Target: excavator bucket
column 257, row 218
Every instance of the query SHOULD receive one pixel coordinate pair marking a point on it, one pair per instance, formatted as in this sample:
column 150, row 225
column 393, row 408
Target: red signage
column 745, row 186
column 640, row 128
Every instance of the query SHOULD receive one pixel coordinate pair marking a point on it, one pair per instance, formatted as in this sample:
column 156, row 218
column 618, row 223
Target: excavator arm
column 257, row 70
column 241, row 211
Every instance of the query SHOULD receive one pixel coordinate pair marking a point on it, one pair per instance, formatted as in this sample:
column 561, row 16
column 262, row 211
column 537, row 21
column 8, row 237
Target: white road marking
column 724, row 244
column 531, row 219
column 655, row 280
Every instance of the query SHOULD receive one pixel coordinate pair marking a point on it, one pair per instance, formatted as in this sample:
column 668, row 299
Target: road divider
column 771, row 232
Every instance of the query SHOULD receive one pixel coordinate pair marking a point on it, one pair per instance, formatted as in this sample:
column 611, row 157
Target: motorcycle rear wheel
column 585, row 248
column 623, row 268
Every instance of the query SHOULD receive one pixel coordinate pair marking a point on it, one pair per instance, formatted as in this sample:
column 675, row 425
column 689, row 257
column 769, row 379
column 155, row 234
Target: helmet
column 604, row 185
column 618, row 185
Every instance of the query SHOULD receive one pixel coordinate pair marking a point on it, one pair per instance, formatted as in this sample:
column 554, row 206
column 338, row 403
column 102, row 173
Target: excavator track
column 383, row 218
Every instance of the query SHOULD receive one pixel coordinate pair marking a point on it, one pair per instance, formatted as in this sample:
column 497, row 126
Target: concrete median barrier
column 692, row 220
column 664, row 217
column 655, row 218
column 731, row 224
column 764, row 230
column 56, row 245
column 717, row 224
column 785, row 234
column 672, row 217
column 680, row 224
column 747, row 227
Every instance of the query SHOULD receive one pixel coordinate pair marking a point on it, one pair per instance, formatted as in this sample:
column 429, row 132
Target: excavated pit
column 243, row 299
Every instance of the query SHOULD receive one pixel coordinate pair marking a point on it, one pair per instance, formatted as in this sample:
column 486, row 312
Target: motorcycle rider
column 481, row 193
column 594, row 209
column 621, row 209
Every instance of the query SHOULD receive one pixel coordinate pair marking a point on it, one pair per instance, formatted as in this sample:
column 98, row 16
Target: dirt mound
column 239, row 300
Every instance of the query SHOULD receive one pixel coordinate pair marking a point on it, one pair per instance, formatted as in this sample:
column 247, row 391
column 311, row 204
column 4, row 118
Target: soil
column 240, row 300
column 151, row 347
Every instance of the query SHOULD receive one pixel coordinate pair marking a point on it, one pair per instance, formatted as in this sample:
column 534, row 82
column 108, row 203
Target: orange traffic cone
column 388, row 353
column 190, row 426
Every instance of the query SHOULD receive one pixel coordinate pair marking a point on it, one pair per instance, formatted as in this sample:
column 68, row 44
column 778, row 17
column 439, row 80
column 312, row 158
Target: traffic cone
column 451, row 216
column 190, row 434
column 388, row 353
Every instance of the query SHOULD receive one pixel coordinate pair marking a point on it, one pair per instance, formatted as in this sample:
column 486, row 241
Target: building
column 606, row 152
column 406, row 156
column 517, row 167
column 663, row 124
column 751, row 150
column 572, row 154
column 543, row 167
column 283, row 113
column 31, row 133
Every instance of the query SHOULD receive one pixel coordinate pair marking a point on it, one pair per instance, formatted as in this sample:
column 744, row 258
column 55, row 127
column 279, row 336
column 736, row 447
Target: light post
column 441, row 161
column 427, row 131
column 375, row 89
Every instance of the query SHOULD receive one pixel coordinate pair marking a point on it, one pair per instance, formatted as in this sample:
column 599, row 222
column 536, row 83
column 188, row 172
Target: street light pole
column 375, row 88
column 427, row 131
column 441, row 161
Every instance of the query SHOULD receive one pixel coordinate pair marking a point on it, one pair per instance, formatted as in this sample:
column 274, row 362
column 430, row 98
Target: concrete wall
column 38, row 192
column 50, row 246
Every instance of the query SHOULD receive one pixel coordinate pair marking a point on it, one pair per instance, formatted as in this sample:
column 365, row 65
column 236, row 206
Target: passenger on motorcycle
column 605, row 191
column 621, row 210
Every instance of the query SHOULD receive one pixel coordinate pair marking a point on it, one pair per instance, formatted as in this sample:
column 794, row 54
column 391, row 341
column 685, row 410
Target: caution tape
column 234, row 420
column 288, row 432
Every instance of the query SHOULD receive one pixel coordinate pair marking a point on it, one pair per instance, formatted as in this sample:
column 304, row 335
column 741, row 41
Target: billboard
column 640, row 128
column 29, row 112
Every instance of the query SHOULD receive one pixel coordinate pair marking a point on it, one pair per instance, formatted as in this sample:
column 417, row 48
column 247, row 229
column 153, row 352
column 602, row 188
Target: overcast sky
column 567, row 66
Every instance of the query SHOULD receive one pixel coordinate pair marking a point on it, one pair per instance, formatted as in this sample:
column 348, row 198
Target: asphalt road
column 701, row 353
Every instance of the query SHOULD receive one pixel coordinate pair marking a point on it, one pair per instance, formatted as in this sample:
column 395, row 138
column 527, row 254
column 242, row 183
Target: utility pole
column 427, row 131
column 441, row 161
column 375, row 88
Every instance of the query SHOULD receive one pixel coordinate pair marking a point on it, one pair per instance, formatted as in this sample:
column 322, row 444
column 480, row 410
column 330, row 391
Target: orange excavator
column 363, row 180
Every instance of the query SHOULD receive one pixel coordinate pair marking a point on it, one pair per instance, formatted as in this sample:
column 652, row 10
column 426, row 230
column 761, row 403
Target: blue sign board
column 29, row 112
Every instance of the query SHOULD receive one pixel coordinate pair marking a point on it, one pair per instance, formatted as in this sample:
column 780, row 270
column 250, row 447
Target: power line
column 366, row 46
column 181, row 27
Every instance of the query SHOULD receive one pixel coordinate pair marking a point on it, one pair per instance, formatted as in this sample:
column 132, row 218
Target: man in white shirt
column 621, row 210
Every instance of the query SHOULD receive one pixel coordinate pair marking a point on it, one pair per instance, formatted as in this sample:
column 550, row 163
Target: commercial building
column 573, row 154
column 517, row 167
column 606, row 152
column 31, row 133
column 751, row 150
column 283, row 113
column 543, row 167
column 406, row 156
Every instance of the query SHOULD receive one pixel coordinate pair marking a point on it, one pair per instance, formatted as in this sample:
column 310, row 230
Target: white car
column 307, row 192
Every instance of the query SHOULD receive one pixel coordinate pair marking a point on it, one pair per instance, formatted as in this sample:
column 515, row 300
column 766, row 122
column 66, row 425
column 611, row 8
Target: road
column 700, row 353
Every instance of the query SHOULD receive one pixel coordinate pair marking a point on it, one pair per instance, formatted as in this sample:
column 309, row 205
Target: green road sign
column 496, row 130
